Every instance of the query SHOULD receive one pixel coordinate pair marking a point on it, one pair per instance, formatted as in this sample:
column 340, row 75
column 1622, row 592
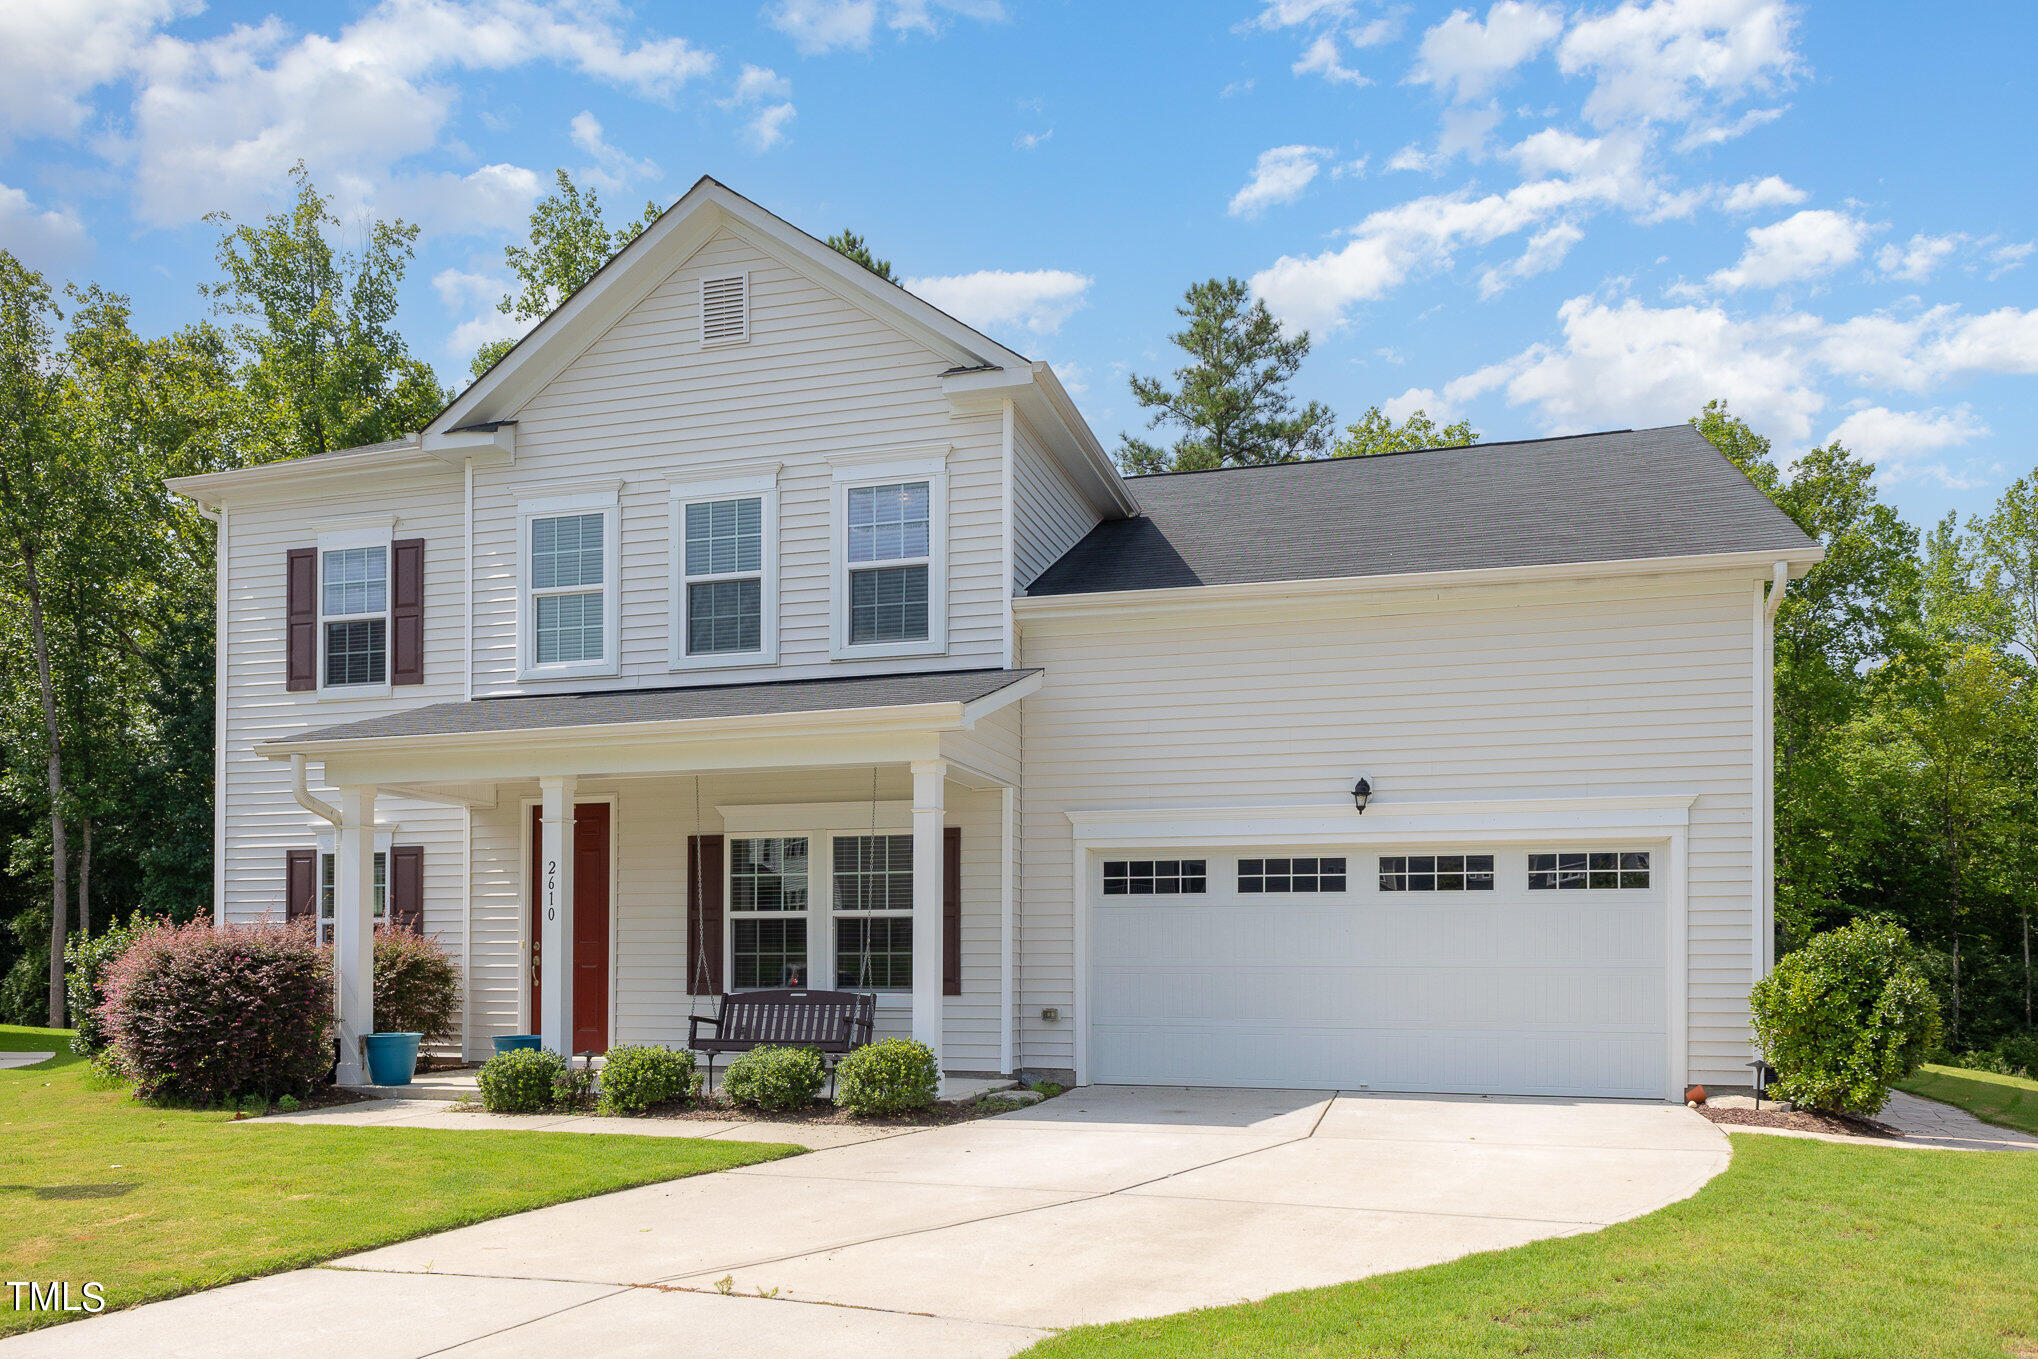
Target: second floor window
column 724, row 564
column 569, row 596
column 354, row 615
column 889, row 536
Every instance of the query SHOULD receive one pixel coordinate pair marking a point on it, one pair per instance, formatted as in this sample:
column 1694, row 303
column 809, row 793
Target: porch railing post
column 354, row 928
column 555, row 913
column 929, row 779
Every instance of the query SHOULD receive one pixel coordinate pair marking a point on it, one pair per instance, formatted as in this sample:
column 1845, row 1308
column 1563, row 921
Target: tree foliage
column 1231, row 399
column 569, row 242
column 852, row 246
column 1374, row 433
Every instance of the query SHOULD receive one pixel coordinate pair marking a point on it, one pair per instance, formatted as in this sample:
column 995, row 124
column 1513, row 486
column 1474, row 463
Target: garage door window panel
column 1155, row 877
column 1291, row 875
column 1588, row 870
column 1436, row 872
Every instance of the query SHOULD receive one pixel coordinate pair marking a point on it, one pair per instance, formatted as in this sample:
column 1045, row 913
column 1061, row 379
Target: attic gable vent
column 725, row 309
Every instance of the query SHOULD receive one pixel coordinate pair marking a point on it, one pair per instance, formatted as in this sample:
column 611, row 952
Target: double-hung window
column 569, row 608
column 354, row 614
column 767, row 911
column 327, row 890
column 872, row 891
column 725, row 572
column 891, row 587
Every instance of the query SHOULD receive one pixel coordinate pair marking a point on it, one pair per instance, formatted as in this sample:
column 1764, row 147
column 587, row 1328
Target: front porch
column 672, row 858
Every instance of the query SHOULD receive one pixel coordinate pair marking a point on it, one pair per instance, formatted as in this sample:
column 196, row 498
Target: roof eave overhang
column 1797, row 560
column 1038, row 394
column 214, row 489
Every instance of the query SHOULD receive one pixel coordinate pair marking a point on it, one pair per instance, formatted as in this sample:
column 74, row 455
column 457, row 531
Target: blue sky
column 1544, row 217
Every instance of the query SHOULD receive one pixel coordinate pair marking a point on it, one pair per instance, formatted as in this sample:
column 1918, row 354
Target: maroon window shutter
column 301, row 618
column 300, row 884
column 406, row 886
column 407, row 611
column 705, row 914
column 951, row 910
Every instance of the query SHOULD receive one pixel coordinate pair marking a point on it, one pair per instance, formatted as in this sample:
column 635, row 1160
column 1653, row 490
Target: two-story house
column 754, row 622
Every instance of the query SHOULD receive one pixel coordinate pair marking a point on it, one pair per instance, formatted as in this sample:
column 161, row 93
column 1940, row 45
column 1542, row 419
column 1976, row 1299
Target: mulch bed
column 1802, row 1120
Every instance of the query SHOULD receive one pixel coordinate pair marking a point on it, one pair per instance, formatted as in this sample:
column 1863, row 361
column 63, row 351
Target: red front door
column 590, row 928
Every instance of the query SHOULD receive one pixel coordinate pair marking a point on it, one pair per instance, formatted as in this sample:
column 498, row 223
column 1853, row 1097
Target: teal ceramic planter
column 511, row 1042
column 392, row 1057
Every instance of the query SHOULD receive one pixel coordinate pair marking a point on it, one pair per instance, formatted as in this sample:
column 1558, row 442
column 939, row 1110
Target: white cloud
column 1321, row 58
column 1030, row 141
column 2010, row 256
column 1546, row 250
column 490, row 199
column 1425, row 399
column 216, row 123
column 1917, row 259
column 1803, row 246
column 1038, row 299
column 46, row 239
column 1466, row 58
column 755, row 84
column 53, row 55
column 768, row 96
column 1757, row 195
column 1279, row 176
column 767, row 128
column 1715, row 133
column 1678, row 60
column 613, row 169
column 1901, row 442
column 817, row 26
column 1291, row 13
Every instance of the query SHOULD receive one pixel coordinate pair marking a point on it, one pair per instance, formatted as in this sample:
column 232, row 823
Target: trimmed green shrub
column 776, row 1078
column 633, row 1079
column 1845, row 1017
column 85, row 964
column 2021, row 1052
column 520, row 1082
column 892, row 1077
column 209, row 1015
column 417, row 988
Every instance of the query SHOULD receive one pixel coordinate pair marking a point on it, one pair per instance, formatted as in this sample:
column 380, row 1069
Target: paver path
column 1942, row 1125
column 969, row 1240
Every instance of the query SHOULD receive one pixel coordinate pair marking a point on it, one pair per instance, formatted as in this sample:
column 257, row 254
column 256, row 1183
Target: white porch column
column 354, row 928
column 555, row 913
column 929, row 776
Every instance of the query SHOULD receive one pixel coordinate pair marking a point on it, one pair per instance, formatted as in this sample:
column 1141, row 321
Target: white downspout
column 1764, row 928
column 220, row 549
column 302, row 792
column 467, row 618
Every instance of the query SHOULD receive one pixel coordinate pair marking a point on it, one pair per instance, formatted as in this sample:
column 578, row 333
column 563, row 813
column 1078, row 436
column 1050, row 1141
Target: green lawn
column 1811, row 1250
column 2007, row 1101
column 154, row 1202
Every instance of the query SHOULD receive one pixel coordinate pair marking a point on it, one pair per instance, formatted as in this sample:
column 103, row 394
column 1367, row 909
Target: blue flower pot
column 512, row 1041
column 392, row 1057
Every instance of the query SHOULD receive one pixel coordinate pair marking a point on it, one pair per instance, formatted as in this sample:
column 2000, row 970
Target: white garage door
column 1399, row 969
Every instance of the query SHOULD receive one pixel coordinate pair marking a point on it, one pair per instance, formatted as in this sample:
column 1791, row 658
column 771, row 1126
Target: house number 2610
column 551, row 889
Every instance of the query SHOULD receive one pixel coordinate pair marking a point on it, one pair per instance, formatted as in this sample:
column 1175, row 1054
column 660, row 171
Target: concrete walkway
column 973, row 1239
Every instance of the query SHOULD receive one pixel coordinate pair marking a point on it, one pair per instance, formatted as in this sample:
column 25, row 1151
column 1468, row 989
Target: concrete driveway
column 975, row 1239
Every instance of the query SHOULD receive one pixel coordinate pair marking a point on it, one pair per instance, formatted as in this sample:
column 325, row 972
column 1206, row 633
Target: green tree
column 847, row 243
column 569, row 243
column 316, row 325
column 1374, row 433
column 2006, row 543
column 1231, row 399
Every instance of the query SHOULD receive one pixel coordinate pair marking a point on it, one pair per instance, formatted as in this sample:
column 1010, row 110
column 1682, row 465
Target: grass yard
column 1812, row 1250
column 155, row 1202
column 2006, row 1101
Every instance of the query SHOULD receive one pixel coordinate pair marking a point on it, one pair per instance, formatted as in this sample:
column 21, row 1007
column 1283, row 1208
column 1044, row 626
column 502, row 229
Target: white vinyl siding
column 1049, row 515
column 648, row 406
column 1586, row 689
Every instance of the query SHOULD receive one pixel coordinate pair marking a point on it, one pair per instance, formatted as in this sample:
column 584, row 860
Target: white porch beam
column 354, row 927
column 555, row 913
column 929, row 778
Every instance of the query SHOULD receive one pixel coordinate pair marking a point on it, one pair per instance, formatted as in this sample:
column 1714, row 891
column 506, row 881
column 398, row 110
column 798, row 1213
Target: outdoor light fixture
column 1361, row 792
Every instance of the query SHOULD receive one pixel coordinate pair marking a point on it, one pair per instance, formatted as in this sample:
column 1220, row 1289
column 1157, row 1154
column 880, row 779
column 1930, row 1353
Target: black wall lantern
column 1362, row 792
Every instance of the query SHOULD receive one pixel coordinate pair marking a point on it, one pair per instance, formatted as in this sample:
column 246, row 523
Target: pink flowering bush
column 218, row 1014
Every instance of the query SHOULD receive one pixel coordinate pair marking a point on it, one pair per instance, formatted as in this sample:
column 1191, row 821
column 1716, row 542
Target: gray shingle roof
column 1585, row 498
column 537, row 712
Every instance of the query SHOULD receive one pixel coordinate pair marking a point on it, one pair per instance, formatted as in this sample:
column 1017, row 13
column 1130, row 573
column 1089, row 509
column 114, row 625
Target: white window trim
column 880, row 468
column 326, row 853
column 759, row 485
column 820, row 913
column 362, row 532
column 604, row 502
column 701, row 307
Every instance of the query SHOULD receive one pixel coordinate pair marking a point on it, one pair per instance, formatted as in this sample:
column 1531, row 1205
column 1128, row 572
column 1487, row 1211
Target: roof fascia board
column 917, row 717
column 497, row 445
column 216, row 488
column 1799, row 560
column 1528, row 818
column 979, row 708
